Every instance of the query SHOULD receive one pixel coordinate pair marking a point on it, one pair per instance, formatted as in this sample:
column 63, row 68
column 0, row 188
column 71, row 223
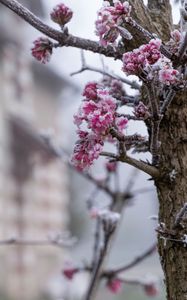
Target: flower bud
column 42, row 49
column 61, row 14
column 114, row 285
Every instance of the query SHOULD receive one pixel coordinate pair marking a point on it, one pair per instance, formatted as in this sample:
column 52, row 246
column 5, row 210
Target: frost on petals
column 109, row 18
column 99, row 115
column 141, row 111
column 175, row 41
column 61, row 14
column 42, row 49
column 168, row 76
column 114, row 285
column 90, row 91
column 86, row 150
column 134, row 62
column 94, row 119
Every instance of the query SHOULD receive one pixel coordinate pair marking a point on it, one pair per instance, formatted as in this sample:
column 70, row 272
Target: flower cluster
column 148, row 60
column 141, row 111
column 61, row 14
column 42, row 49
column 175, row 41
column 163, row 72
column 97, row 115
column 136, row 61
column 86, row 150
column 168, row 76
column 109, row 17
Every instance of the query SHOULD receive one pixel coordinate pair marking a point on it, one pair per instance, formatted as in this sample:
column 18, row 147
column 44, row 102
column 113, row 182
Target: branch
column 63, row 38
column 171, row 94
column 156, row 119
column 86, row 67
column 140, row 165
column 109, row 228
column 133, row 263
column 47, row 242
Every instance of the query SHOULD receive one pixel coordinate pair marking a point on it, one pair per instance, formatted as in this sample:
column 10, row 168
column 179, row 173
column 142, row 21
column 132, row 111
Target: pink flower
column 151, row 290
column 114, row 285
column 121, row 9
column 121, row 123
column 99, row 116
column 176, row 35
column 134, row 62
column 168, row 76
column 109, row 17
column 111, row 166
column 90, row 91
column 61, row 14
column 141, row 111
column 86, row 150
column 175, row 41
column 42, row 49
column 69, row 271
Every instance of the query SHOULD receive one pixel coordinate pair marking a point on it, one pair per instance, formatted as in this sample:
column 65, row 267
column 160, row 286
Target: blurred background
column 40, row 197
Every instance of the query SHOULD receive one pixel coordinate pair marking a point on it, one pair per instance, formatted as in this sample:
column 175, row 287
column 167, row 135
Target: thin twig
column 142, row 166
column 86, row 67
column 133, row 263
column 96, row 242
column 27, row 242
column 96, row 273
column 156, row 119
column 171, row 94
column 148, row 35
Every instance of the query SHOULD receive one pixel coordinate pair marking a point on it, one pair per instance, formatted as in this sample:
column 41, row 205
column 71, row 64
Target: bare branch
column 47, row 242
column 142, row 166
column 156, row 119
column 171, row 94
column 86, row 67
column 133, row 263
column 109, row 228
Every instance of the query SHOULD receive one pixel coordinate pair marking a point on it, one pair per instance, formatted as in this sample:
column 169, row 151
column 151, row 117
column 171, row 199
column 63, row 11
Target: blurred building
column 33, row 184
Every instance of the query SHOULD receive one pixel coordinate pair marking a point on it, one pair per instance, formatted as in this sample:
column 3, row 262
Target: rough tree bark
column 172, row 194
column 172, row 187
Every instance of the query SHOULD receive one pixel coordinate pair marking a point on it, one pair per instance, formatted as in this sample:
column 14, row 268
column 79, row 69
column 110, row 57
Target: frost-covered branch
column 86, row 67
column 64, row 38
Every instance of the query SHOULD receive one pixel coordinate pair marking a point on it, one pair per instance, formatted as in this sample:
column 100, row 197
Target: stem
column 98, row 267
column 156, row 119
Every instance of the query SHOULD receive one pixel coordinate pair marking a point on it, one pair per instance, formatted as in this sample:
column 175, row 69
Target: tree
column 160, row 63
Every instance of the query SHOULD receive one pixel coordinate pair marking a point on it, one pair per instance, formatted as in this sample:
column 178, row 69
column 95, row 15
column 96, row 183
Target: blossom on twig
column 61, row 14
column 109, row 18
column 42, row 49
column 114, row 285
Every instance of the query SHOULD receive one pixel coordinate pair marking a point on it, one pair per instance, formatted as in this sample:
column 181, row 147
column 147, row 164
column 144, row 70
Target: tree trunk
column 172, row 194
